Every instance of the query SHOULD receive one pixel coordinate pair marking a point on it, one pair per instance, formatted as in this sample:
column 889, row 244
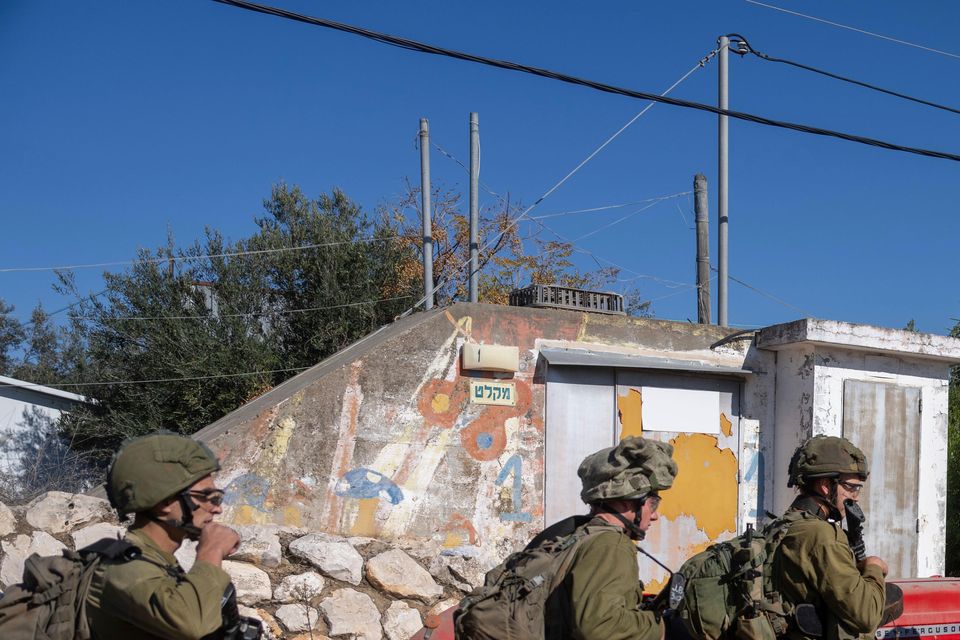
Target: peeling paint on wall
column 630, row 409
column 706, row 487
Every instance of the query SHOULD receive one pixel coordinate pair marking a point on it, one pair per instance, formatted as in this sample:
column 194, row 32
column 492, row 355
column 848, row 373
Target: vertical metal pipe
column 474, row 207
column 426, row 214
column 701, row 207
column 722, row 186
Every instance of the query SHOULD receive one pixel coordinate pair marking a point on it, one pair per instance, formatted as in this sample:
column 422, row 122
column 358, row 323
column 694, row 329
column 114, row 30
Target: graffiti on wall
column 514, row 468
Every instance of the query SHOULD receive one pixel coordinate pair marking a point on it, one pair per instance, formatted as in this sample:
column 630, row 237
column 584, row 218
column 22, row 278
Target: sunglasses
column 852, row 487
column 213, row 496
column 654, row 501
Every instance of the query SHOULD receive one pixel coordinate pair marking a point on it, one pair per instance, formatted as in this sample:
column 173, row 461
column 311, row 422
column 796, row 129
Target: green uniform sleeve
column 605, row 592
column 826, row 563
column 155, row 602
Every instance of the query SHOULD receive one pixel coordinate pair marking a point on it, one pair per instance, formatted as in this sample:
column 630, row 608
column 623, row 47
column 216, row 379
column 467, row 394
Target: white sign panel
column 680, row 410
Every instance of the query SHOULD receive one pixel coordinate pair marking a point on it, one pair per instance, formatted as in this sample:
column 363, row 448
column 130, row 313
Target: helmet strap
column 633, row 527
column 185, row 523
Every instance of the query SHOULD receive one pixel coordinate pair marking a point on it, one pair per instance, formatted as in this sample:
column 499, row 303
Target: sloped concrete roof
column 303, row 379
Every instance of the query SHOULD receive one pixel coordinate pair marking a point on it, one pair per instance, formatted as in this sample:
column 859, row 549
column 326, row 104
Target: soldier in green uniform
column 165, row 481
column 601, row 594
column 814, row 563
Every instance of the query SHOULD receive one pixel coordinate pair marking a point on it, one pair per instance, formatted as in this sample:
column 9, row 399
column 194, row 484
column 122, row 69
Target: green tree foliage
column 11, row 336
column 182, row 337
column 179, row 333
column 953, row 469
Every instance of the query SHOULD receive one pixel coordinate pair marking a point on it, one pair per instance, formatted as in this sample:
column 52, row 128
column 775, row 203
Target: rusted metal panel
column 884, row 421
column 579, row 420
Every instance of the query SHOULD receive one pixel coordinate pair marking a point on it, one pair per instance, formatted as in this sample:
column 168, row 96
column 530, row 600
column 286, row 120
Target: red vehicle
column 931, row 609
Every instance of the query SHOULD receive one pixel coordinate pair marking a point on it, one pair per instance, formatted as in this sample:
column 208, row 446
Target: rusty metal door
column 700, row 417
column 884, row 421
column 579, row 420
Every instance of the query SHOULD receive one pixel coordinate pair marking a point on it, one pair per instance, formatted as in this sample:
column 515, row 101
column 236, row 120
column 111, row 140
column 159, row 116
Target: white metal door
column 579, row 420
column 884, row 421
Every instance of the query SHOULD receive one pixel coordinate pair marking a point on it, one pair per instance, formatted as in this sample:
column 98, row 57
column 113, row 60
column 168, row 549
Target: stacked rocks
column 301, row 584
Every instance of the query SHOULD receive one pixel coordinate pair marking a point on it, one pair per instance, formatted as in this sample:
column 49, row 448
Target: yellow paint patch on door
column 725, row 425
column 630, row 410
column 706, row 485
column 366, row 524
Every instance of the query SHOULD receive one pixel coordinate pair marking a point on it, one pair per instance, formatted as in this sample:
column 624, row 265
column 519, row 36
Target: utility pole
column 474, row 208
column 724, row 44
column 700, row 204
column 426, row 214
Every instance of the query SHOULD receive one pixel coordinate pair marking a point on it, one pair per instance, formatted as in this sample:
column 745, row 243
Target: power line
column 232, row 254
column 608, row 207
column 414, row 45
column 849, row 28
column 244, row 315
column 154, row 380
column 835, row 76
column 525, row 213
column 768, row 295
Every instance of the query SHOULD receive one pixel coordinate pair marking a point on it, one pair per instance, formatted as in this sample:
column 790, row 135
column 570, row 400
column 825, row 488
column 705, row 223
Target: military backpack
column 729, row 589
column 50, row 603
column 514, row 602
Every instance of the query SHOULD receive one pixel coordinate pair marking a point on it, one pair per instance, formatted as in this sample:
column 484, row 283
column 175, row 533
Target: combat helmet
column 826, row 457
column 149, row 469
column 630, row 470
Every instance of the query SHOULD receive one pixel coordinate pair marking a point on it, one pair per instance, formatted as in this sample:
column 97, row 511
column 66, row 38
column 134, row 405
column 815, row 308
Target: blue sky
column 122, row 120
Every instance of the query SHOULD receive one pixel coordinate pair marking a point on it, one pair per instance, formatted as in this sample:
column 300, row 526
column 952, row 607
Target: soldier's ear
column 165, row 508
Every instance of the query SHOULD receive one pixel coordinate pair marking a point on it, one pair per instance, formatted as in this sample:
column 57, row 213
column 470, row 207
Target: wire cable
column 413, row 45
column 863, row 31
column 525, row 213
column 260, row 314
column 235, row 254
column 763, row 56
column 102, row 383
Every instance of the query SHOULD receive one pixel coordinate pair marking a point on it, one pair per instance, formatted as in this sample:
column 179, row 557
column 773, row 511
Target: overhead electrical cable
column 525, row 213
column 414, row 45
column 217, row 316
column 764, row 56
column 102, row 383
column 181, row 258
column 848, row 27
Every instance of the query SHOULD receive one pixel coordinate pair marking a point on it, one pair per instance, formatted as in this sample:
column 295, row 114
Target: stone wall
column 300, row 584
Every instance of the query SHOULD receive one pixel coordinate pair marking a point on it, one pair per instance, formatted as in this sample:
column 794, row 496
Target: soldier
column 602, row 593
column 814, row 562
column 165, row 481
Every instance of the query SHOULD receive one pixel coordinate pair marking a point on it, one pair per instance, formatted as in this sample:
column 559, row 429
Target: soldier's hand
column 216, row 542
column 874, row 560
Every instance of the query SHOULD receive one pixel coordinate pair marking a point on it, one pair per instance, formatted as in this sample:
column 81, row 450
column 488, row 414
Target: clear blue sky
column 121, row 120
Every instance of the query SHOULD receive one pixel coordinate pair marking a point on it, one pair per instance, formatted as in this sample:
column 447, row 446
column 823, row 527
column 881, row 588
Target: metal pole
column 701, row 204
column 474, row 208
column 426, row 214
column 722, row 186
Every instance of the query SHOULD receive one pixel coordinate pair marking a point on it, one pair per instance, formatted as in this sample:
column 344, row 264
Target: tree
column 507, row 260
column 11, row 336
column 953, row 468
column 45, row 359
column 183, row 337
